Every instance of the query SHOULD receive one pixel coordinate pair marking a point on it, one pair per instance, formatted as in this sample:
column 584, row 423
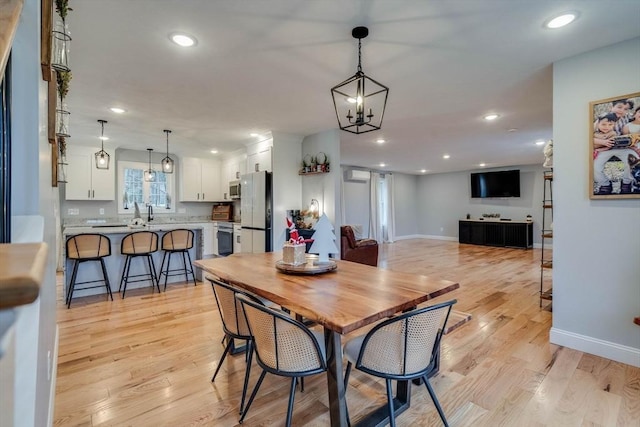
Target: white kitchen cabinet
column 259, row 157
column 200, row 180
column 232, row 170
column 84, row 180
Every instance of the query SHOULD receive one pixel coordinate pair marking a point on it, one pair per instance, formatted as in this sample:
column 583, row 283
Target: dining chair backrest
column 405, row 345
column 88, row 246
column 283, row 345
column 140, row 242
column 234, row 321
column 179, row 239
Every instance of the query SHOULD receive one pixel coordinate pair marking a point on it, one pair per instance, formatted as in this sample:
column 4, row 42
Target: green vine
column 62, row 8
column 63, row 78
column 62, row 146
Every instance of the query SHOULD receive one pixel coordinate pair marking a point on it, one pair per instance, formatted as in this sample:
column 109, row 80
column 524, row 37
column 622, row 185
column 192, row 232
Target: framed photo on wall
column 614, row 141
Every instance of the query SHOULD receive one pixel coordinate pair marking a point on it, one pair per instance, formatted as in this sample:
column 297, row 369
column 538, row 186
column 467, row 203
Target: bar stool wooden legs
column 139, row 244
column 177, row 241
column 87, row 247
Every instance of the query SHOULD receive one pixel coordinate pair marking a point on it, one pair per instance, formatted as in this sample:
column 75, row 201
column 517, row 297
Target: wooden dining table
column 342, row 301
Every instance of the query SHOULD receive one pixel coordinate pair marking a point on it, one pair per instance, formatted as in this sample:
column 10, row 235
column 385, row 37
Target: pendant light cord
column 359, row 55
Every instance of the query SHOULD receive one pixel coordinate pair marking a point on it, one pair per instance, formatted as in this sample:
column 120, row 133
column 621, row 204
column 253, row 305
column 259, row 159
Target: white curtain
column 391, row 209
column 375, row 225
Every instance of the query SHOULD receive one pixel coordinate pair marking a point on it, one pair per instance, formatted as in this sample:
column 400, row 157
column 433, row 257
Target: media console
column 513, row 234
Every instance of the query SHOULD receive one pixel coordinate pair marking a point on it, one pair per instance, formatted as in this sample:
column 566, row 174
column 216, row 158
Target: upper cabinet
column 200, row 180
column 259, row 156
column 84, row 180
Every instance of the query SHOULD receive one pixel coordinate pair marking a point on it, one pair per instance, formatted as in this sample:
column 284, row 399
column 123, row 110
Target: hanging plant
column 63, row 77
column 62, row 8
column 62, row 146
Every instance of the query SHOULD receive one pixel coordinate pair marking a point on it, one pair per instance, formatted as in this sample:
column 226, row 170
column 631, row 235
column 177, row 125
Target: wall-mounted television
column 495, row 184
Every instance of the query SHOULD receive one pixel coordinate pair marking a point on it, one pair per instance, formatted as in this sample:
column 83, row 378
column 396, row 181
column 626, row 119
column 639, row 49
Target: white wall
column 324, row 187
column 406, row 198
column 356, row 202
column 596, row 275
column 286, row 156
column 32, row 194
column 444, row 199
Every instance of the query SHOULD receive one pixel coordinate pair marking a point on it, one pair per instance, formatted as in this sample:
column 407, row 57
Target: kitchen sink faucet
column 149, row 212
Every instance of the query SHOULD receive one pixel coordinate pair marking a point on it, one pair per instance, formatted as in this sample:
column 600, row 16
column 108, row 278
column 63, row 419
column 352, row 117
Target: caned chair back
column 140, row 242
column 283, row 345
column 404, row 346
column 234, row 321
column 88, row 246
column 180, row 239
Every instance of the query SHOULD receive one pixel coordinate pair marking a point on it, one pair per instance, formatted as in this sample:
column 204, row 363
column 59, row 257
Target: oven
column 225, row 238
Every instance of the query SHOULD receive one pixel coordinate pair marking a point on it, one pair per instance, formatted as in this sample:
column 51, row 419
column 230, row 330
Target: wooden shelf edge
column 547, row 235
column 9, row 15
column 546, row 264
column 313, row 173
column 22, row 268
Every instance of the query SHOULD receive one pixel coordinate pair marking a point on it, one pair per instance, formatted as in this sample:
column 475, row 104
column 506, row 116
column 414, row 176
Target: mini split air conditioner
column 358, row 175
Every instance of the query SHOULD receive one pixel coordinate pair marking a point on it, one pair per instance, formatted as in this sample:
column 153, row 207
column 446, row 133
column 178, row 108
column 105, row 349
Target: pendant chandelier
column 360, row 101
column 150, row 174
column 102, row 157
column 167, row 162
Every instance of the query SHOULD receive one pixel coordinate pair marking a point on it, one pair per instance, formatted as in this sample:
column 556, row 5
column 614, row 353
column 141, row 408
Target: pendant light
column 102, row 157
column 150, row 174
column 167, row 162
column 365, row 96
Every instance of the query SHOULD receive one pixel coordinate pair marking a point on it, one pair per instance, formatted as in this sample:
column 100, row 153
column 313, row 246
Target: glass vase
column 61, row 41
column 62, row 120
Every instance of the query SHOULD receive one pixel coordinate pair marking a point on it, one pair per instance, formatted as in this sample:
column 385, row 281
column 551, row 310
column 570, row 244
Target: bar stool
column 87, row 247
column 177, row 241
column 139, row 244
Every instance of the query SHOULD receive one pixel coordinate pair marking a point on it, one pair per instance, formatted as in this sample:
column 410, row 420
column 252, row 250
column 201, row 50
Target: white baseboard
column 613, row 351
column 54, row 376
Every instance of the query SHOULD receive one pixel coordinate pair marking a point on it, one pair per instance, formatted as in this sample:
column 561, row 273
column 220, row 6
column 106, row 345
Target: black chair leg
column 224, row 354
column 106, row 278
column 166, row 274
column 72, row 284
column 246, row 373
column 253, row 395
column 392, row 415
column 193, row 274
column 184, row 263
column 124, row 271
column 435, row 400
column 161, row 268
column 152, row 274
column 126, row 277
column 292, row 394
column 346, row 375
column 155, row 276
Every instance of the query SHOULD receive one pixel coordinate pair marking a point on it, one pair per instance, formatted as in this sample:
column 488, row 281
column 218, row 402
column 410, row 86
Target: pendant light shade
column 359, row 101
column 102, row 157
column 150, row 174
column 167, row 162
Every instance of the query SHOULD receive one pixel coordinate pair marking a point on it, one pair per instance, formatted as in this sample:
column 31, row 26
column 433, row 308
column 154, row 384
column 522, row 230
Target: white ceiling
column 268, row 65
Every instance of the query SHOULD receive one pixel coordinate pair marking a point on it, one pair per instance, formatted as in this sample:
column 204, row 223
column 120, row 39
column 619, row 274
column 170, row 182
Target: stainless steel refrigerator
column 256, row 208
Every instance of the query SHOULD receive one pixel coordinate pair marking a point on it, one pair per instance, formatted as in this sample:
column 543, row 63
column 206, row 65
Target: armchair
column 363, row 251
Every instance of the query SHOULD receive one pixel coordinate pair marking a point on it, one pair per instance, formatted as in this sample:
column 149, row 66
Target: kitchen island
column 115, row 263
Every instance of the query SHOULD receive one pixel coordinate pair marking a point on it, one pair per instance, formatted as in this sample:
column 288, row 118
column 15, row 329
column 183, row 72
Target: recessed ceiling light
column 380, row 141
column 560, row 21
column 253, row 134
column 118, row 110
column 512, row 130
column 423, row 170
column 446, row 156
column 539, row 142
column 214, row 151
column 482, row 165
column 491, row 116
column 382, row 165
column 183, row 40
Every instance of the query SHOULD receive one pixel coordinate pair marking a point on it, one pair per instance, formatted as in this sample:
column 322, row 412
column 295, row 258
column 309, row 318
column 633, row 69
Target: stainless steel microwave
column 234, row 189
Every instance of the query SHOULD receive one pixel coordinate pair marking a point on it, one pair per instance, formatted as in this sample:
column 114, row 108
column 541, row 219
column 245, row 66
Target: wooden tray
column 308, row 268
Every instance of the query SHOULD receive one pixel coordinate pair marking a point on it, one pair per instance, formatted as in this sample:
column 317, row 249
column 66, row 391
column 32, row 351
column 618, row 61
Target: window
column 133, row 188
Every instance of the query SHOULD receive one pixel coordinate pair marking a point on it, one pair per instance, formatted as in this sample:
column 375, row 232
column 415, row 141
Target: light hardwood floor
column 147, row 360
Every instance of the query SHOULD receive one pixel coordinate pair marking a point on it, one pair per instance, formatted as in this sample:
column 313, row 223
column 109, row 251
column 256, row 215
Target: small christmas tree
column 323, row 240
